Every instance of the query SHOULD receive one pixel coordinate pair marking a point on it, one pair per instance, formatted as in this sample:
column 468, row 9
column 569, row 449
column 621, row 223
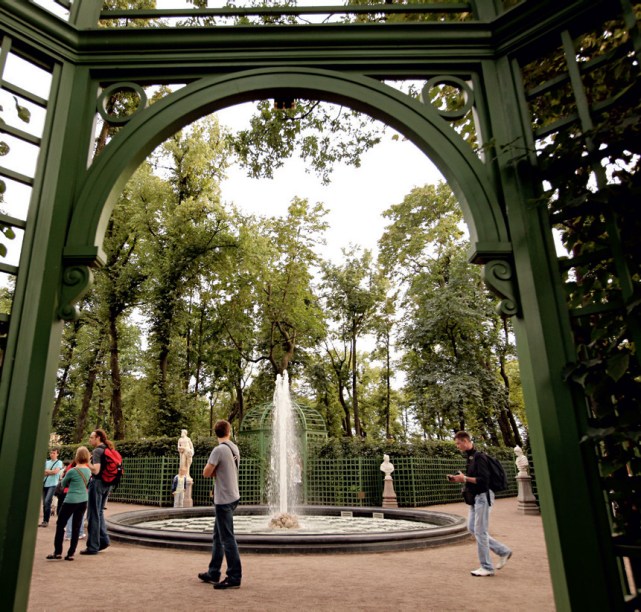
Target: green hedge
column 343, row 471
column 160, row 447
column 345, row 481
column 336, row 448
column 333, row 448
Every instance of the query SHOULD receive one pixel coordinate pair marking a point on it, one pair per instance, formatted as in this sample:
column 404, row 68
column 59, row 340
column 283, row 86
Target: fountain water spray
column 284, row 456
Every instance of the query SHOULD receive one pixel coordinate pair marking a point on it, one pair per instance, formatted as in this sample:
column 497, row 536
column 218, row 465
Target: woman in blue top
column 74, row 505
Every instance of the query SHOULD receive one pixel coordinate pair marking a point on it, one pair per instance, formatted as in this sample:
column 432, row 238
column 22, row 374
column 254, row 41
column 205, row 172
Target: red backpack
column 111, row 471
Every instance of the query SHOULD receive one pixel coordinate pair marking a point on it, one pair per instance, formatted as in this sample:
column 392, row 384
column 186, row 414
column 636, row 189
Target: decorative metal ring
column 106, row 93
column 454, row 82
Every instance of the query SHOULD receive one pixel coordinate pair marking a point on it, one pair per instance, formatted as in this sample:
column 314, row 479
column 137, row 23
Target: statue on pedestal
column 389, row 495
column 522, row 463
column 527, row 503
column 387, row 467
column 186, row 452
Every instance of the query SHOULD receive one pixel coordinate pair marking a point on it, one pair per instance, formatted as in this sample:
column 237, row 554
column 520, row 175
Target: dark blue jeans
column 97, row 537
column 224, row 544
column 47, row 498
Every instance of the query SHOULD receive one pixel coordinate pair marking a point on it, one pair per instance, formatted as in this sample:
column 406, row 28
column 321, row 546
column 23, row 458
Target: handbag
column 59, row 491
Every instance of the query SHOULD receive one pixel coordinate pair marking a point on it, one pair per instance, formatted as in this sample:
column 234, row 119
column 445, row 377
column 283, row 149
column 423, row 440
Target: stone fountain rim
column 450, row 528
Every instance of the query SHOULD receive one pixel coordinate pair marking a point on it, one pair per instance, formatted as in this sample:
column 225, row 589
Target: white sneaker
column 503, row 560
column 482, row 572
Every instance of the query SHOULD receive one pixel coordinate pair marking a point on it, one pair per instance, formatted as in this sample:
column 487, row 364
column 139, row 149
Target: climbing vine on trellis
column 589, row 148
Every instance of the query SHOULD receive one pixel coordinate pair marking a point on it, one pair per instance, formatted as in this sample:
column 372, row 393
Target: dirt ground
column 128, row 577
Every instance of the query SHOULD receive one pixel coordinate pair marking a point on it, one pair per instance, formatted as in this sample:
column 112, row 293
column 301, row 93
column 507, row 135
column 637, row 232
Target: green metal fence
column 418, row 481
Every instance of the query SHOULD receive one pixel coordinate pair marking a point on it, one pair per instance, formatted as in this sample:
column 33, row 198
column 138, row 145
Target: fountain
column 317, row 529
column 285, row 456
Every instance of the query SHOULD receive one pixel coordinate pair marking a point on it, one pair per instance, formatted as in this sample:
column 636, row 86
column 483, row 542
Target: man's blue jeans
column 97, row 537
column 47, row 498
column 478, row 525
column 224, row 544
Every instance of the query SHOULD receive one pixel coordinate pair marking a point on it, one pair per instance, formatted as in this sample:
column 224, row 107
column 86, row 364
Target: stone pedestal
column 188, row 502
column 526, row 500
column 389, row 495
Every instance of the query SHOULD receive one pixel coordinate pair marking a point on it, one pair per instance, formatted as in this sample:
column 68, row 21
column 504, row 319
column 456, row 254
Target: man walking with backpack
column 479, row 496
column 99, row 487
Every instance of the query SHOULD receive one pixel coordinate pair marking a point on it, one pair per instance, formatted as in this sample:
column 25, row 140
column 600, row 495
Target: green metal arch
column 259, row 418
column 418, row 122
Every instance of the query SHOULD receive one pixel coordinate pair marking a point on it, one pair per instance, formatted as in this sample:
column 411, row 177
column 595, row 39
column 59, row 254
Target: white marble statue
column 186, row 451
column 522, row 462
column 387, row 467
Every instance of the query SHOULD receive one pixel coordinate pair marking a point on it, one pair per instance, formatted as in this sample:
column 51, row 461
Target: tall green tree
column 450, row 331
column 119, row 285
column 274, row 296
column 384, row 330
column 353, row 293
column 187, row 230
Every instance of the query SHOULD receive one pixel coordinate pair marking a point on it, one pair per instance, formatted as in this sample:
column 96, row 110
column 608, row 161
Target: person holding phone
column 479, row 497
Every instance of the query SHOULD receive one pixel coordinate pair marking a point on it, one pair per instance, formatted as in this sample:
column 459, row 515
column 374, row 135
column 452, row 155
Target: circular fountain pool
column 324, row 529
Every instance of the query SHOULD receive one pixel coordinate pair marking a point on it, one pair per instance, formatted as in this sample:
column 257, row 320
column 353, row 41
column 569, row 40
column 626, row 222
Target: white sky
column 356, row 197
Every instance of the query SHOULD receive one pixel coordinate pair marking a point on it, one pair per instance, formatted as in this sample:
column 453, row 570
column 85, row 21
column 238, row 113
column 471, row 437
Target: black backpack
column 498, row 477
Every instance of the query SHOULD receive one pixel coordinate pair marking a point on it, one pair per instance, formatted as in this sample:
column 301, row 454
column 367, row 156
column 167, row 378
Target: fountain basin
column 435, row 529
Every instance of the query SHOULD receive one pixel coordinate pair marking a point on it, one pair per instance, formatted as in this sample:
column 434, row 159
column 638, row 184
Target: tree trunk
column 238, row 406
column 199, row 351
column 347, row 425
column 66, row 367
column 506, row 430
column 388, row 387
column 116, row 381
column 90, row 382
column 515, row 435
column 357, row 420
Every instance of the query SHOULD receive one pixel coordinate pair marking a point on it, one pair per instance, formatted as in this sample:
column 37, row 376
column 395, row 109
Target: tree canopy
column 200, row 305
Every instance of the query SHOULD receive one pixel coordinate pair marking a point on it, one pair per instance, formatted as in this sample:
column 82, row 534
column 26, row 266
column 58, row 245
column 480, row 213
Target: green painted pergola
column 87, row 53
column 257, row 427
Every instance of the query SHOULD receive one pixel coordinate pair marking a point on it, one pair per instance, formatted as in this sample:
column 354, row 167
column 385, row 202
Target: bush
column 164, row 446
column 336, row 448
column 333, row 448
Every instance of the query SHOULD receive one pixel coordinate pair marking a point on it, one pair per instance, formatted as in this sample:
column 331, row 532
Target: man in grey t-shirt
column 223, row 466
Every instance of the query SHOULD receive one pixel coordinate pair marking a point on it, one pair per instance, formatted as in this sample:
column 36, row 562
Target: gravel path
column 127, row 577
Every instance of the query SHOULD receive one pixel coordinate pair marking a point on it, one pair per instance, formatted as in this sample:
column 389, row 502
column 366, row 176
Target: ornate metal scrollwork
column 499, row 277
column 76, row 281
